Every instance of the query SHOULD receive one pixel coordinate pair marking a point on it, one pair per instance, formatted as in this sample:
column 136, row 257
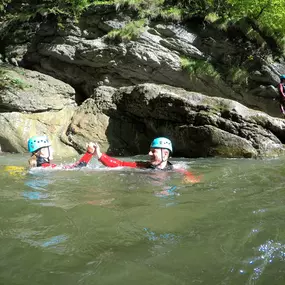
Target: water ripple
column 268, row 252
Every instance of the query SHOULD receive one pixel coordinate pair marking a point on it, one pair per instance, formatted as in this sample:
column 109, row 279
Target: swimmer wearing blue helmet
column 159, row 153
column 42, row 154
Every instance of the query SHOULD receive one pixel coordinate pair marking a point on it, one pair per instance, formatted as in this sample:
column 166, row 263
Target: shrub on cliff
column 9, row 80
column 266, row 17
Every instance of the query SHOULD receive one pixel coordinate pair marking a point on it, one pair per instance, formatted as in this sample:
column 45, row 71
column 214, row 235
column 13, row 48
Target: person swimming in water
column 160, row 151
column 42, row 154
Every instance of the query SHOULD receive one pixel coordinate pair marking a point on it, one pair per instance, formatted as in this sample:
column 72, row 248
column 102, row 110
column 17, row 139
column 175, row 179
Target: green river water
column 102, row 226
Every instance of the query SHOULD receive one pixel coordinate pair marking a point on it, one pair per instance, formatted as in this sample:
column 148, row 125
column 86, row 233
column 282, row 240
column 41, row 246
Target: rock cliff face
column 34, row 103
column 198, row 125
column 84, row 56
column 171, row 80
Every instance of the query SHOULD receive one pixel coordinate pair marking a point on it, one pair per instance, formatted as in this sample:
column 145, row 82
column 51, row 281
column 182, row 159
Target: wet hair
column 33, row 160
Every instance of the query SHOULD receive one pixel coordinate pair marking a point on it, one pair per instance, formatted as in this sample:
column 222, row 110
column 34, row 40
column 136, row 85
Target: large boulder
column 16, row 128
column 128, row 118
column 32, row 103
column 24, row 90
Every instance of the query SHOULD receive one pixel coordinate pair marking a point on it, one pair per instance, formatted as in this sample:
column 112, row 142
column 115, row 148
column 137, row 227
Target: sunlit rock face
column 126, row 119
column 171, row 79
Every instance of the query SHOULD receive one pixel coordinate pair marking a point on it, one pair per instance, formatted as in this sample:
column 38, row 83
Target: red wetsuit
column 114, row 162
column 83, row 161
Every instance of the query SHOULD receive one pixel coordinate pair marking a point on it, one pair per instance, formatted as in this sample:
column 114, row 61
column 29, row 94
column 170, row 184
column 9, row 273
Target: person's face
column 157, row 155
column 47, row 152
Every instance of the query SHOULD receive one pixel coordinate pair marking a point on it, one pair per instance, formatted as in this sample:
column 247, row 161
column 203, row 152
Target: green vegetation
column 172, row 13
column 199, row 67
column 3, row 5
column 130, row 31
column 270, row 15
column 102, row 2
column 263, row 18
column 212, row 18
column 15, row 10
column 152, row 6
column 152, row 9
column 8, row 81
column 238, row 75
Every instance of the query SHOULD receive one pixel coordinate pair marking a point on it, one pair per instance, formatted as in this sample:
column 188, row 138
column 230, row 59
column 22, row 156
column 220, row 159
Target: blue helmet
column 282, row 76
column 162, row 143
column 37, row 142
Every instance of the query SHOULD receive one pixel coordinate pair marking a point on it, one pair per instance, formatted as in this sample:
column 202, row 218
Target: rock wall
column 128, row 118
column 32, row 103
column 172, row 80
column 84, row 56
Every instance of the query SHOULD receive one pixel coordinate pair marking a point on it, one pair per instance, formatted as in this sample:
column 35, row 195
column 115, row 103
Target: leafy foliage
column 8, row 81
column 3, row 5
column 172, row 13
column 199, row 67
column 267, row 17
column 16, row 10
column 238, row 75
column 130, row 31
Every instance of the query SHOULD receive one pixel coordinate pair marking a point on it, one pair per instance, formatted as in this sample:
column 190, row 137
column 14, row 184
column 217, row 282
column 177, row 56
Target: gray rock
column 178, row 32
column 128, row 118
column 31, row 91
column 81, row 49
column 16, row 128
column 152, row 58
column 183, row 48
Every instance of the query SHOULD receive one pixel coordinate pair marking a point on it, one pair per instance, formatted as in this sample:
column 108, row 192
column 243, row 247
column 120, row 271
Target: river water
column 122, row 226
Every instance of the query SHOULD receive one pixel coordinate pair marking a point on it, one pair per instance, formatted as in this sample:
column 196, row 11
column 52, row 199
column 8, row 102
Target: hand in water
column 168, row 192
column 191, row 179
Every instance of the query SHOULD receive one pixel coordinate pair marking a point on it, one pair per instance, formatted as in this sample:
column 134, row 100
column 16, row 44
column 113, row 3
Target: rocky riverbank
column 84, row 82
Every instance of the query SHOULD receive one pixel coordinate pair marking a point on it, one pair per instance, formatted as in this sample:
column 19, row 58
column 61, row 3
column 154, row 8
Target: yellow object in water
column 15, row 170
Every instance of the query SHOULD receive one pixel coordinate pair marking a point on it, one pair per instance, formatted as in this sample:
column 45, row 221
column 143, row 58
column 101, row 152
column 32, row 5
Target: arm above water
column 84, row 160
column 114, row 162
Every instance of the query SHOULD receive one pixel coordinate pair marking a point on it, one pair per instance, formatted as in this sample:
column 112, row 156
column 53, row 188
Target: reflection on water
column 35, row 195
column 266, row 253
column 39, row 185
column 165, row 237
column 54, row 242
column 126, row 226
